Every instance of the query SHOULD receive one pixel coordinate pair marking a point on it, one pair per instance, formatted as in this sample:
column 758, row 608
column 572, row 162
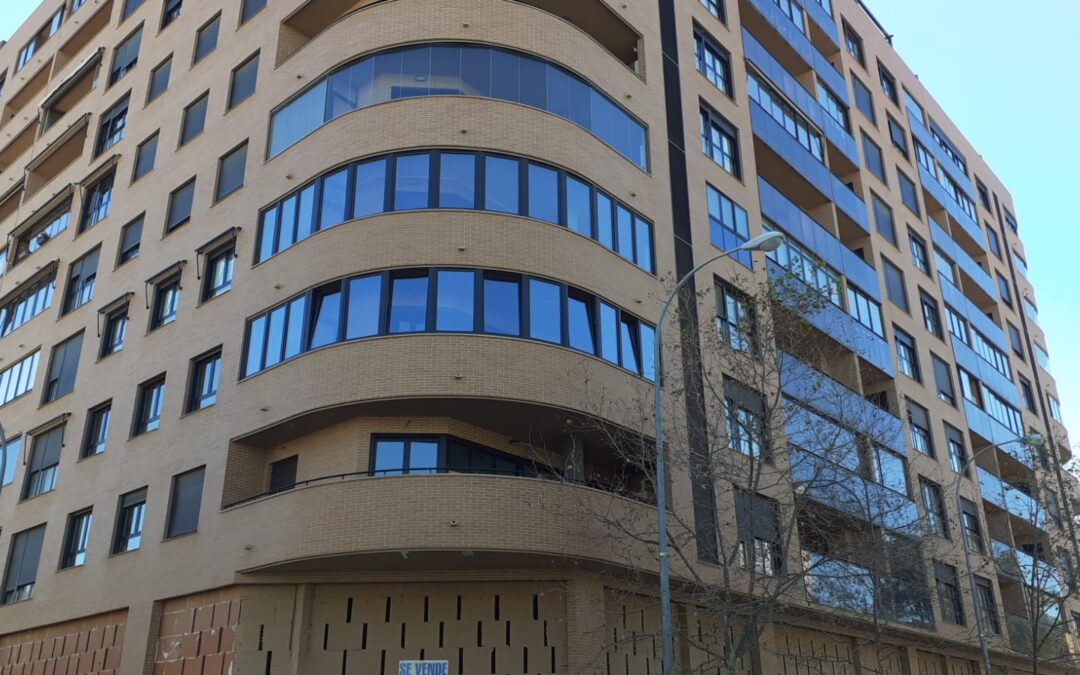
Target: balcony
column 965, row 262
column 800, row 44
column 849, row 587
column 803, row 99
column 971, row 361
column 996, row 433
column 975, row 316
column 1010, row 499
column 923, row 135
column 1015, row 565
column 777, row 139
column 1052, row 640
column 823, row 20
column 832, row 399
column 937, row 191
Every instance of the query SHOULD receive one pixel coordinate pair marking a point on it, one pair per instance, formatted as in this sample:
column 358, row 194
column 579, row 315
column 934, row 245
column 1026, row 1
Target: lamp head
column 765, row 242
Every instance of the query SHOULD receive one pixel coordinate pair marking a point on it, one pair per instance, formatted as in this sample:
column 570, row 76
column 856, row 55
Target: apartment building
column 323, row 324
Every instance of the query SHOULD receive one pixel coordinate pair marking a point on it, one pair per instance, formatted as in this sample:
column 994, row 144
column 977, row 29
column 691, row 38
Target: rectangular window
column 76, row 538
column 242, row 84
column 18, row 378
column 728, row 223
column 44, row 462
column 283, row 474
column 985, row 607
column 194, row 119
column 111, row 128
column 12, row 450
column 713, row 61
column 502, row 305
column 919, row 255
column 29, row 300
column 166, row 302
column 949, row 597
column 145, row 157
column 931, row 315
column 719, row 141
column 231, row 169
column 833, row 106
column 734, row 318
column 937, row 521
column 170, row 12
column 203, row 387
column 745, row 420
column 130, row 236
column 219, row 271
column 184, row 503
column 757, row 521
column 888, row 83
column 969, row 520
column 97, row 430
column 864, row 310
column 159, row 79
column 408, row 304
column 716, row 8
column 992, row 241
column 22, row 565
column 80, row 282
column 1031, row 311
column 148, row 402
column 112, row 338
column 908, row 193
column 919, row 422
column 63, row 366
column 41, row 232
column 906, row 354
column 1041, row 357
column 943, row 380
column 873, row 158
column 206, row 39
column 957, row 450
column 1055, row 408
column 130, row 514
column 1003, row 288
column 1028, row 394
column 804, row 265
column 411, row 183
column 96, row 201
column 854, row 44
column 250, row 8
column 180, row 202
column 898, row 136
column 883, row 219
column 984, row 194
column 895, row 288
column 129, row 8
column 125, row 56
column 762, row 91
column 863, row 100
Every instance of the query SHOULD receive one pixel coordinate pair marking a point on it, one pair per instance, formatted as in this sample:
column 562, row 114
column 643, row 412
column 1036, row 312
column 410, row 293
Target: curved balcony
column 439, row 521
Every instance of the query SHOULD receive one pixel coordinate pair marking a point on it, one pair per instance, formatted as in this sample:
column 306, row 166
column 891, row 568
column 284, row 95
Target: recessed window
column 22, row 565
column 894, row 284
column 1003, row 289
column 948, row 588
column 18, row 378
column 130, row 236
column 205, row 373
column 194, row 119
column 111, row 129
column 931, row 315
column 908, row 193
column 985, row 607
column 283, row 474
column 719, row 141
column 883, row 219
column 159, row 79
column 11, row 450
column 219, row 271
column 1028, row 394
column 166, row 301
column 250, row 8
column 184, row 503
column 715, row 7
column 44, row 462
column 713, row 61
column 129, row 8
column 125, row 57
column 148, row 402
column 76, row 538
column 919, row 423
column 63, row 366
column 80, row 283
column 170, row 11
column 898, row 136
column 43, row 231
column 97, row 430
column 130, row 515
column 874, row 159
column 180, row 202
column 888, row 83
column 937, row 521
column 206, row 39
column 734, row 318
column 854, row 44
column 919, row 255
column 863, row 100
column 906, row 354
column 145, row 157
column 958, row 457
column 230, row 176
column 243, row 81
column 943, row 380
column 96, row 202
column 112, row 338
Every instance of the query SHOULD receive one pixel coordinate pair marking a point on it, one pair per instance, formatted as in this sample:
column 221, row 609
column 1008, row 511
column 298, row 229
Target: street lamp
column 1031, row 440
column 769, row 241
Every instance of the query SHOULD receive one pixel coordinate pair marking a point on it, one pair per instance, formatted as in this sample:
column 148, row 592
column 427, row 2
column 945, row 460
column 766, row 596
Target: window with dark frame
column 243, row 80
column 854, row 44
column 22, row 565
column 283, row 474
column 919, row 255
column 231, row 169
column 194, row 119
column 1003, row 289
column 130, row 238
column 734, row 318
column 716, row 8
column 166, row 301
column 11, row 450
column 713, row 61
column 41, row 470
column 757, row 521
column 76, row 538
column 888, row 83
column 206, row 39
column 863, row 100
column 957, row 450
column 906, row 354
column 883, row 218
column 895, row 289
column 63, row 367
column 125, row 57
column 80, row 283
column 1028, row 394
column 719, row 141
column 986, row 607
column 919, row 423
column 148, row 403
column 170, row 12
column 129, row 8
column 250, row 8
column 931, row 315
column 992, row 241
column 96, row 201
column 111, row 127
column 933, row 501
column 949, row 597
column 130, row 514
column 875, row 162
column 112, row 337
column 969, row 521
column 145, row 157
column 159, row 79
column 898, row 136
column 203, row 386
column 220, row 264
column 908, row 193
column 185, row 502
column 180, row 203
column 943, row 380
column 97, row 430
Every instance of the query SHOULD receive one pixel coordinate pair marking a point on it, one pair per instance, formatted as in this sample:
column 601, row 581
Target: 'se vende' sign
column 424, row 668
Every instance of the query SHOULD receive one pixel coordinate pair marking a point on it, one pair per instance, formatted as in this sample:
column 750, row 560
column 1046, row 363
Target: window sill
column 189, row 413
column 175, row 537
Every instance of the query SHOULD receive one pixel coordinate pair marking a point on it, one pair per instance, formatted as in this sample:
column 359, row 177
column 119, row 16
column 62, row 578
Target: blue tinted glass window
column 415, row 73
column 287, row 226
column 475, row 71
column 501, row 184
column 256, row 337
column 533, row 75
column 457, row 181
column 370, row 195
column 334, row 199
column 268, row 233
column 386, row 75
column 578, row 206
column 389, row 458
column 305, row 222
column 502, row 312
column 643, row 239
column 294, row 331
column 325, row 317
column 408, row 304
column 604, row 233
column 297, row 119
column 609, row 333
column 275, row 335
column 505, row 76
column 545, row 311
column 423, row 456
column 411, row 182
column 455, row 298
column 628, row 337
column 350, row 89
column 579, row 317
column 648, row 351
column 446, row 70
column 365, row 295
column 624, row 223
column 558, row 91
column 543, row 194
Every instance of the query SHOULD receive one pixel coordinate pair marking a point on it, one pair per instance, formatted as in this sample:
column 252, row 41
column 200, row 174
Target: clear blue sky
column 1007, row 79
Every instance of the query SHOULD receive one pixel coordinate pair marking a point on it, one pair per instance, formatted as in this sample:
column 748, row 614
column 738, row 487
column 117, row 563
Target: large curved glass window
column 449, row 300
column 444, row 179
column 458, row 70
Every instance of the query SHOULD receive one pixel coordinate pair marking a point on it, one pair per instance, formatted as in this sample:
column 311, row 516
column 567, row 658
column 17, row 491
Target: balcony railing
column 1005, row 496
column 1018, row 566
column 1050, row 642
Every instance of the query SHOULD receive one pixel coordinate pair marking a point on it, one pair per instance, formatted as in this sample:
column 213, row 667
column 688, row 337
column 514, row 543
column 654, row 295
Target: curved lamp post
column 1031, row 440
column 769, row 241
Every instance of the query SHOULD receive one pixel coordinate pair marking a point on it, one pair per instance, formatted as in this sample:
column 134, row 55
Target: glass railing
column 1019, row 566
column 1050, row 642
column 1011, row 499
column 851, row 588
